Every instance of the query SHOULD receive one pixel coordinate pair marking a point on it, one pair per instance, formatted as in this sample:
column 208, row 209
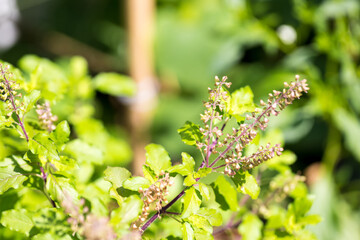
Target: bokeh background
column 173, row 49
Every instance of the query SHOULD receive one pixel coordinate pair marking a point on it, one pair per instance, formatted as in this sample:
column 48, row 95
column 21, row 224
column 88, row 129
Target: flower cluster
column 154, row 195
column 46, row 118
column 9, row 91
column 235, row 141
column 91, row 226
column 217, row 99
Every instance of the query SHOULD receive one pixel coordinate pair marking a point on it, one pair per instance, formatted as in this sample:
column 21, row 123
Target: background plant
column 56, row 193
column 245, row 40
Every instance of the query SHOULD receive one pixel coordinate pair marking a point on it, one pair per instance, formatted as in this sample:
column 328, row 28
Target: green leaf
column 204, row 190
column 157, row 158
column 115, row 84
column 30, row 99
column 189, row 180
column 44, row 147
column 251, row 227
column 302, row 205
column 135, row 183
column 65, row 164
column 190, row 133
column 225, row 189
column 188, row 232
column 246, row 183
column 17, row 220
column 61, row 134
column 84, row 152
column 200, row 222
column 116, row 175
column 191, row 203
column 9, row 178
column 187, row 166
column 149, row 174
column 127, row 212
column 241, row 101
column 201, row 234
column 202, row 172
column 60, row 189
column 212, row 215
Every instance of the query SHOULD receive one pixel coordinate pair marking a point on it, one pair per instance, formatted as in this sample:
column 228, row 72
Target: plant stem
column 245, row 130
column 12, row 100
column 44, row 177
column 163, row 210
column 166, row 207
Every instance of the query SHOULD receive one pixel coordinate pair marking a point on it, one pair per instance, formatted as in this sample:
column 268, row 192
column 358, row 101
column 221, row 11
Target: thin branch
column 12, row 100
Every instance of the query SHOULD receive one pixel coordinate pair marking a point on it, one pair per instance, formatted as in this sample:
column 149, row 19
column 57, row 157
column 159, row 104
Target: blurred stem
column 140, row 28
column 332, row 149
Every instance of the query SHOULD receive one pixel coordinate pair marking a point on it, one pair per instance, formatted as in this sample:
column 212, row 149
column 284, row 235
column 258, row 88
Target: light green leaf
column 127, row 212
column 246, row 183
column 189, row 180
column 188, row 232
column 224, row 187
column 115, row 84
column 84, row 152
column 191, row 203
column 204, row 190
column 202, row 172
column 250, row 228
column 116, row 175
column 52, row 236
column 190, row 133
column 214, row 217
column 187, row 166
column 135, row 183
column 10, row 179
column 201, row 234
column 149, row 174
column 65, row 164
column 61, row 134
column 30, row 99
column 60, row 189
column 241, row 101
column 17, row 220
column 157, row 158
column 44, row 147
column 200, row 222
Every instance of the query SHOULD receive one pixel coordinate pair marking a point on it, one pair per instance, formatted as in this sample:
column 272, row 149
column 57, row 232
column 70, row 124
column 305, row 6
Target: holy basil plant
column 50, row 186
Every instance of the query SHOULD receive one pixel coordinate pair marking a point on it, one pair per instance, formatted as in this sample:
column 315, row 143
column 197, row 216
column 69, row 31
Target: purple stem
column 244, row 131
column 44, row 177
column 167, row 206
column 12, row 100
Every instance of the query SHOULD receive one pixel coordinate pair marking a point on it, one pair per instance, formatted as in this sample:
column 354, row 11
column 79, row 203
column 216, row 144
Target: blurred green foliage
column 197, row 39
